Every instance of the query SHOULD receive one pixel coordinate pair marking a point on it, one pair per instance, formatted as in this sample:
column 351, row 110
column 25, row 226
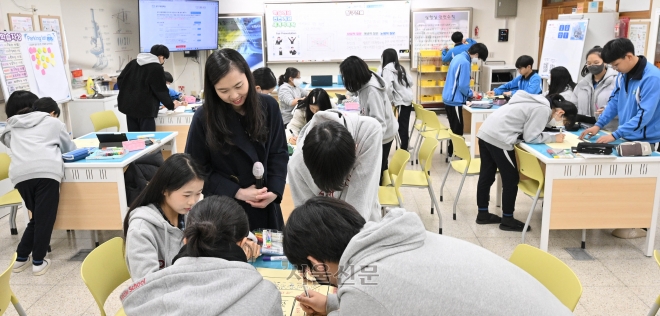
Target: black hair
column 317, row 97
column 214, row 222
column 596, row 50
column 47, row 105
column 160, row 50
column 457, row 37
column 524, row 61
column 218, row 111
column 175, row 172
column 19, row 100
column 288, row 73
column 321, row 228
column 264, row 78
column 616, row 49
column 390, row 56
column 355, row 73
column 329, row 154
column 168, row 77
column 560, row 78
column 558, row 102
column 480, row 49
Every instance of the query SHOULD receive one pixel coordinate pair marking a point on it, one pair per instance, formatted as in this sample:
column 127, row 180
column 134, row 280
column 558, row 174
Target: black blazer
column 231, row 171
column 142, row 89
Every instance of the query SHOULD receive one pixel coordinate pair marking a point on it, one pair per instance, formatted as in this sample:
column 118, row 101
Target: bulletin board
column 33, row 61
column 243, row 33
column 20, row 22
column 432, row 28
column 563, row 45
column 638, row 34
column 52, row 23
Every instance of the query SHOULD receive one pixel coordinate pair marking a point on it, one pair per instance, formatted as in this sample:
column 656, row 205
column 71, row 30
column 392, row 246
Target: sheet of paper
column 180, row 109
column 570, row 140
column 80, row 143
column 289, row 282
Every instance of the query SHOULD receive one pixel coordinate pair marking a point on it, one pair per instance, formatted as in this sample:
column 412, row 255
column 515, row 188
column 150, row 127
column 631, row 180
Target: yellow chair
column 553, row 273
column 103, row 120
column 432, row 128
column 374, row 69
column 104, row 270
column 390, row 195
column 656, row 304
column 468, row 166
column 6, row 295
column 12, row 198
column 533, row 186
column 417, row 108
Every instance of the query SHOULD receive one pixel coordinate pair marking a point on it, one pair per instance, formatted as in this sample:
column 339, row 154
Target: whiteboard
column 634, row 5
column 33, row 61
column 431, row 30
column 563, row 45
column 332, row 31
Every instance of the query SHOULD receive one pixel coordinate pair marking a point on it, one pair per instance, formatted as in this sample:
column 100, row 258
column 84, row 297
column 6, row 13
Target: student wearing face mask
column 289, row 92
column 527, row 80
column 265, row 80
column 593, row 92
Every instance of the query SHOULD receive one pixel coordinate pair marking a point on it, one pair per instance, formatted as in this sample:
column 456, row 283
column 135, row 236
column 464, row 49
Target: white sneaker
column 629, row 233
column 20, row 266
column 41, row 269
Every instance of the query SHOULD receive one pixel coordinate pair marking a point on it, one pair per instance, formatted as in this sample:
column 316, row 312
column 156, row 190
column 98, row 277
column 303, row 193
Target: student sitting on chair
column 593, row 92
column 337, row 156
column 561, row 83
column 289, row 93
column 173, row 94
column 37, row 140
column 460, row 45
column 396, row 267
column 316, row 100
column 154, row 223
column 210, row 275
column 522, row 119
column 527, row 80
column 264, row 80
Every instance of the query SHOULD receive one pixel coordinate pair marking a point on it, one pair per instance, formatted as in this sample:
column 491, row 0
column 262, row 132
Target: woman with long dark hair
column 400, row 90
column 236, row 128
column 317, row 100
column 561, row 83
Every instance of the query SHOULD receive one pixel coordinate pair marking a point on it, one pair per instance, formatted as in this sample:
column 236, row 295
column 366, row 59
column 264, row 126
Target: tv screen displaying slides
column 179, row 25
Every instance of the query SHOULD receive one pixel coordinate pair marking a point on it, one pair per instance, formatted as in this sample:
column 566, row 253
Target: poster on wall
column 20, row 22
column 432, row 30
column 50, row 23
column 244, row 34
column 638, row 34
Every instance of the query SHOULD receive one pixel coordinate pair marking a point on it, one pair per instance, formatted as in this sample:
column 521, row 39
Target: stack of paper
column 289, row 282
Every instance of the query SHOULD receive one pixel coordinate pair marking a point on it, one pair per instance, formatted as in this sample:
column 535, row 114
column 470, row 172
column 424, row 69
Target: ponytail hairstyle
column 319, row 98
column 289, row 73
column 390, row 56
column 558, row 102
column 175, row 172
column 560, row 78
column 47, row 105
column 215, row 222
column 596, row 50
column 19, row 101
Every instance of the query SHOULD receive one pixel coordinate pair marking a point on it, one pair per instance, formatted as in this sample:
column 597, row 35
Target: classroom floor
column 619, row 281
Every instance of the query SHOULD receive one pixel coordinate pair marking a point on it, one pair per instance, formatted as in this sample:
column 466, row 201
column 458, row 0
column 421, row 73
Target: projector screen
column 179, row 25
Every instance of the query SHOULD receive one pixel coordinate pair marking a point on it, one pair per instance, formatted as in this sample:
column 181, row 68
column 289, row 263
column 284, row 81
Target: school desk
column 175, row 122
column 597, row 193
column 472, row 120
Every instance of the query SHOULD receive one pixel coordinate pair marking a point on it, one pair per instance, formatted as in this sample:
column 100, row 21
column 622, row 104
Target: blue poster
column 245, row 35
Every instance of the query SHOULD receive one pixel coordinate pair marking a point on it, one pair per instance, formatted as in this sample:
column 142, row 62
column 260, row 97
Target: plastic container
column 427, row 68
column 475, row 67
column 427, row 98
column 444, row 68
column 441, row 83
column 428, row 83
column 429, row 53
column 437, row 97
column 471, row 82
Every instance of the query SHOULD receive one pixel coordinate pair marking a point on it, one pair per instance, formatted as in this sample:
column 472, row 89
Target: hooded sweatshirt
column 589, row 100
column 396, row 267
column 374, row 102
column 142, row 87
column 203, row 286
column 37, row 142
column 523, row 118
column 362, row 191
column 398, row 93
column 286, row 93
column 151, row 242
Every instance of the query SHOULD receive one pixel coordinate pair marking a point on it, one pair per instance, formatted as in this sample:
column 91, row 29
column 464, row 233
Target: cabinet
column 494, row 76
column 79, row 111
column 431, row 77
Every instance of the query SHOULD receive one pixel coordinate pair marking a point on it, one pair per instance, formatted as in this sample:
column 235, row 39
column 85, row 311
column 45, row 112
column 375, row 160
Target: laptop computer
column 111, row 139
column 322, row 81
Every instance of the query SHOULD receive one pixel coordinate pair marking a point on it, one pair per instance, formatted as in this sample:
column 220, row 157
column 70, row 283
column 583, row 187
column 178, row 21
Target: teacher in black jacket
column 142, row 89
column 235, row 128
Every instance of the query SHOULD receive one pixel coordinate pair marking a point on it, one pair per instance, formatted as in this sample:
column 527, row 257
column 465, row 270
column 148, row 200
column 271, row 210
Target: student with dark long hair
column 371, row 91
column 317, row 100
column 561, row 83
column 19, row 100
column 154, row 222
column 214, row 256
column 236, row 128
column 289, row 92
column 400, row 90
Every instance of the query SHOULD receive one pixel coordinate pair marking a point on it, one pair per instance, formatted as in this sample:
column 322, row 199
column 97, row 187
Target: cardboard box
column 595, row 6
column 583, row 7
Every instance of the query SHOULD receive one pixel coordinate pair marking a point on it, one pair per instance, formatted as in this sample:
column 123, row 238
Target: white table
column 176, row 122
column 477, row 117
column 623, row 192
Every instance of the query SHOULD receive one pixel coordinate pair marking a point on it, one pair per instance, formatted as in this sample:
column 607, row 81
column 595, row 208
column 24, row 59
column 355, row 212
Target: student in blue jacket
column 635, row 99
column 457, row 87
column 460, row 46
column 527, row 80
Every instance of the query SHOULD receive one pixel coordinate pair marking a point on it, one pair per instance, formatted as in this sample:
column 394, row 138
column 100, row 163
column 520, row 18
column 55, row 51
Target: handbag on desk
column 629, row 149
column 593, row 148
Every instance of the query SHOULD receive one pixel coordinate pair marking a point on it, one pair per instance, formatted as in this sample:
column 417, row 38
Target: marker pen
column 275, row 258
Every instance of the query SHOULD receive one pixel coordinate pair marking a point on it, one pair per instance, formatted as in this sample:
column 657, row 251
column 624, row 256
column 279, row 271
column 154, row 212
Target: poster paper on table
column 33, row 61
column 563, row 45
column 245, row 35
column 432, row 30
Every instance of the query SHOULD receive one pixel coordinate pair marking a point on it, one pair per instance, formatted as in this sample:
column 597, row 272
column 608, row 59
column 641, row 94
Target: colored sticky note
column 45, row 65
column 52, row 55
column 37, row 66
column 34, row 58
column 39, row 50
column 43, row 71
column 49, row 50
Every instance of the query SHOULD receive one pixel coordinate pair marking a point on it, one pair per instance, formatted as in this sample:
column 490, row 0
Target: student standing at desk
column 460, row 46
column 289, row 93
column 237, row 127
column 593, row 92
column 636, row 100
column 527, row 80
column 400, row 91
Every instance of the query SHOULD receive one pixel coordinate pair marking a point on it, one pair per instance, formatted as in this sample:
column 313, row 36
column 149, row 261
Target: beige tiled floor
column 620, row 281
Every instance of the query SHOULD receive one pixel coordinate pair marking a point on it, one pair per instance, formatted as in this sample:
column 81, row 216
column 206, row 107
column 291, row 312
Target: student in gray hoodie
column 399, row 90
column 396, row 267
column 337, row 156
column 593, row 92
column 371, row 91
column 37, row 140
column 210, row 275
column 153, row 225
column 522, row 119
column 289, row 93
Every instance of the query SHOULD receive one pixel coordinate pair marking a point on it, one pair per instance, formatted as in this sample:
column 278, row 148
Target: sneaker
column 19, row 266
column 484, row 218
column 629, row 233
column 513, row 225
column 41, row 269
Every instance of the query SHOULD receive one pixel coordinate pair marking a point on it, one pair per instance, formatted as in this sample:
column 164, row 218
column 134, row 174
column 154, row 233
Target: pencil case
column 78, row 154
column 591, row 148
column 133, row 145
column 629, row 149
